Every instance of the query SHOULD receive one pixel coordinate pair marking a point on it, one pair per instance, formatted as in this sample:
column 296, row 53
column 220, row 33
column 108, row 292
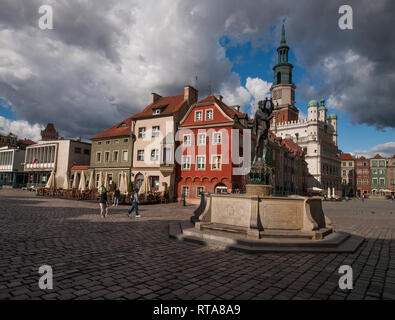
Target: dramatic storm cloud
column 104, row 57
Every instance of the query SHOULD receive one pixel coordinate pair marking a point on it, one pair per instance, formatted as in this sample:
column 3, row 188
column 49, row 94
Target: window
column 98, row 157
column 200, row 162
column 198, row 115
column 116, row 141
column 155, row 131
column 199, row 191
column 99, row 143
column 154, row 183
column 365, row 171
column 142, row 133
column 107, row 156
column 87, row 152
column 382, row 163
column 154, row 155
column 216, row 163
column 375, row 181
column 156, row 111
column 359, row 181
column 186, row 162
column 187, row 140
column 140, row 155
column 359, row 171
column 209, row 114
column 217, row 138
column 374, row 163
column 392, row 182
column 116, row 155
column 344, row 164
column 109, row 177
column 382, row 182
column 125, row 140
column 125, row 155
column 185, row 191
column 374, row 171
column 108, row 142
column 201, row 139
column 344, row 172
column 77, row 150
column 365, row 181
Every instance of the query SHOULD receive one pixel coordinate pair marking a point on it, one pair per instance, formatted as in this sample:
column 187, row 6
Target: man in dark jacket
column 103, row 203
column 135, row 206
column 117, row 195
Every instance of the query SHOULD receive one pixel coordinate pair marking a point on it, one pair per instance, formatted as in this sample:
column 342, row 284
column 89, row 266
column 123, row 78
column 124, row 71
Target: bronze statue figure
column 261, row 127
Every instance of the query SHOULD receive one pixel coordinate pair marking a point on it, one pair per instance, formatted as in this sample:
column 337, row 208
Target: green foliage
column 130, row 186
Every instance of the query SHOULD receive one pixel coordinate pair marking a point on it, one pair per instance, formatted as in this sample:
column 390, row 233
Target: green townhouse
column 378, row 175
column 111, row 154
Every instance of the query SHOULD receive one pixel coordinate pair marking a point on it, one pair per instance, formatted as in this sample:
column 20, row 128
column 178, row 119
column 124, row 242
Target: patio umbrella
column 122, row 184
column 91, row 184
column 82, row 185
column 106, row 181
column 126, row 183
column 66, row 182
column 100, row 182
column 51, row 181
column 75, row 181
column 333, row 192
column 329, row 192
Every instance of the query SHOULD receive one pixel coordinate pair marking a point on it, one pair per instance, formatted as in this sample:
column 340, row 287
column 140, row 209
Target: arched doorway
column 138, row 181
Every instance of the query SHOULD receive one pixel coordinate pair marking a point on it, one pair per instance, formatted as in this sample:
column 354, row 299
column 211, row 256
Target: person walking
column 363, row 197
column 103, row 203
column 117, row 195
column 135, row 206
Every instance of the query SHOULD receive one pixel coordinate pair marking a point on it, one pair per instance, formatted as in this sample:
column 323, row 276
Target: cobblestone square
column 133, row 258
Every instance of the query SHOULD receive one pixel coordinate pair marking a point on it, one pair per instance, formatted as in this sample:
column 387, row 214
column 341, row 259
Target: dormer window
column 156, row 111
column 123, row 125
column 199, row 115
column 209, row 114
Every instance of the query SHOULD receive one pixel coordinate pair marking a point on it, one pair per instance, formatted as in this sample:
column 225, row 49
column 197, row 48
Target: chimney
column 190, row 95
column 219, row 97
column 155, row 97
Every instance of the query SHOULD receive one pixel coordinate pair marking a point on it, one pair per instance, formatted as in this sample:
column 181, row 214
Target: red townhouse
column 362, row 176
column 205, row 157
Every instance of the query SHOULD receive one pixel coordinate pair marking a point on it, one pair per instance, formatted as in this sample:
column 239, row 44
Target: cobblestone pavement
column 133, row 258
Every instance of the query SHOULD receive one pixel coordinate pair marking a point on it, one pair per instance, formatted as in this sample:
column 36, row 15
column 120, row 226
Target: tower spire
column 283, row 42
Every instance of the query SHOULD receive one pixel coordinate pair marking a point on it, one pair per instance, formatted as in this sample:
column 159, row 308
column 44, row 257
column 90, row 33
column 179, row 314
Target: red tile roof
column 292, row 146
column 79, row 167
column 346, row 156
column 171, row 104
column 377, row 156
column 121, row 129
column 229, row 111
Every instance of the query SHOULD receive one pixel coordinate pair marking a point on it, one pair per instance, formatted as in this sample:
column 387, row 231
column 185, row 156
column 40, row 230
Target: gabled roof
column 121, row 129
column 346, row 156
column 378, row 156
column 229, row 111
column 169, row 105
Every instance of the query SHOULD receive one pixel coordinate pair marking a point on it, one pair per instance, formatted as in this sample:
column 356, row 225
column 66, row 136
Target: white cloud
column 20, row 128
column 386, row 150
